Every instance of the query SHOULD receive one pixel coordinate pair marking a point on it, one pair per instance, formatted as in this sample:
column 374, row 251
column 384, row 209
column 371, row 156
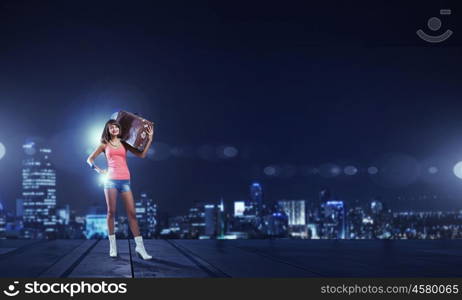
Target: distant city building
column 221, row 219
column 376, row 206
column 2, row 221
column 196, row 221
column 95, row 226
column 178, row 227
column 63, row 215
column 146, row 214
column 76, row 227
column 13, row 226
column 231, row 235
column 239, row 208
column 315, row 214
column 295, row 210
column 334, row 220
column 122, row 229
column 245, row 220
column 381, row 219
column 19, row 208
column 256, row 198
column 296, row 213
column 274, row 225
column 360, row 225
column 214, row 220
column 210, row 220
column 312, row 231
column 38, row 192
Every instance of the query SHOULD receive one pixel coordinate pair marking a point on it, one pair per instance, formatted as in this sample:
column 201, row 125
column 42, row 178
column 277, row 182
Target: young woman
column 119, row 181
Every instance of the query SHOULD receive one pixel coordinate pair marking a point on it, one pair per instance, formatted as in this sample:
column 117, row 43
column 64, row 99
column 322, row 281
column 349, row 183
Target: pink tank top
column 117, row 162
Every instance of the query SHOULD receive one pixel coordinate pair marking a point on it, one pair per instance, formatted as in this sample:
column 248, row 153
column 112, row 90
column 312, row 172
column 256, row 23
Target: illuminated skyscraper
column 221, row 219
column 274, row 225
column 38, row 192
column 239, row 208
column 295, row 210
column 19, row 208
column 210, row 220
column 334, row 223
column 214, row 219
column 63, row 214
column 244, row 220
column 296, row 213
column 256, row 199
column 376, row 207
column 146, row 213
column 359, row 224
column 196, row 220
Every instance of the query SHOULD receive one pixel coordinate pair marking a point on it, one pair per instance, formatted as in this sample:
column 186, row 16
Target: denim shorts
column 120, row 185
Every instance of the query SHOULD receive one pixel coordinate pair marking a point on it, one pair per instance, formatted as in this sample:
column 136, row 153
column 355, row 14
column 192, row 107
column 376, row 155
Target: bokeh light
column 159, row 151
column 309, row 171
column 433, row 170
column 230, row 151
column 226, row 152
column 350, row 170
column 329, row 170
column 372, row 170
column 270, row 171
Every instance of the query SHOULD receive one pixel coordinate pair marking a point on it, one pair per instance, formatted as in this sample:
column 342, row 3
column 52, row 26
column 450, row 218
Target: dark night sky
column 285, row 83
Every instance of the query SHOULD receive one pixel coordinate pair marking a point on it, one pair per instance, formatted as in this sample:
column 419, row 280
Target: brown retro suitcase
column 134, row 129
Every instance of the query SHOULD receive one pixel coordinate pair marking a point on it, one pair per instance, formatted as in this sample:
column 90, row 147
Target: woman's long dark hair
column 106, row 136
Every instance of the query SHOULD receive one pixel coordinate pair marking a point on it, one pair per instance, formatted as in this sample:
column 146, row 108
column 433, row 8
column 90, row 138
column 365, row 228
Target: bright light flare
column 2, row 151
column 103, row 178
column 458, row 169
column 94, row 135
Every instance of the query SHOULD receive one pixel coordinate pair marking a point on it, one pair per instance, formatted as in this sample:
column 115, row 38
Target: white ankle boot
column 112, row 246
column 140, row 248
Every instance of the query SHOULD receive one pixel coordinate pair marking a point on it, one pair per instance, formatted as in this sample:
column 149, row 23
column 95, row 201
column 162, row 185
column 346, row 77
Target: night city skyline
column 316, row 144
column 265, row 83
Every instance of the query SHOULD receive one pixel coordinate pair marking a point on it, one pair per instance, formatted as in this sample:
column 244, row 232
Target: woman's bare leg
column 130, row 207
column 111, row 201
